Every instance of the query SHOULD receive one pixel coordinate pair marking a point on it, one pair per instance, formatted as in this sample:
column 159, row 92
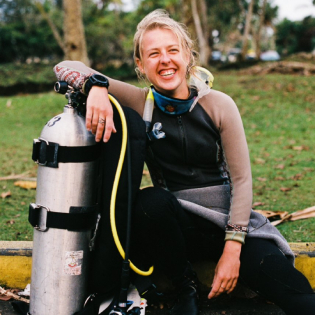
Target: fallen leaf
column 262, row 179
column 297, row 177
column 301, row 148
column 272, row 214
column 10, row 222
column 260, row 161
column 5, row 298
column 290, row 87
column 255, row 98
column 26, row 184
column 9, row 103
column 279, row 178
column 284, row 189
column 6, row 194
column 145, row 172
column 308, row 169
column 280, row 166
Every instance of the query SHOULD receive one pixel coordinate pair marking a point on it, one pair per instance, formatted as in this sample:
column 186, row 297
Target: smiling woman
column 164, row 63
column 197, row 156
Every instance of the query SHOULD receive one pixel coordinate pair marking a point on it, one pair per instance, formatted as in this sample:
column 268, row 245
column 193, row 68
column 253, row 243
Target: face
column 164, row 63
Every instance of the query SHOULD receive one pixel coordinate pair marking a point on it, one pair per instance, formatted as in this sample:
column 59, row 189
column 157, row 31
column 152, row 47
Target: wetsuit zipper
column 181, row 127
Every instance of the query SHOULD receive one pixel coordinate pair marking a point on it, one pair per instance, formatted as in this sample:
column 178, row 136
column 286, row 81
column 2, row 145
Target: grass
column 278, row 114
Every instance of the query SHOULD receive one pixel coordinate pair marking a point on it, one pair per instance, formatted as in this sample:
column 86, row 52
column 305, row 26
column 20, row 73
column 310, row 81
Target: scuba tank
column 65, row 210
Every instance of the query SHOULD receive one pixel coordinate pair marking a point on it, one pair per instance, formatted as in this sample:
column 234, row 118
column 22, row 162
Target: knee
column 278, row 269
column 157, row 203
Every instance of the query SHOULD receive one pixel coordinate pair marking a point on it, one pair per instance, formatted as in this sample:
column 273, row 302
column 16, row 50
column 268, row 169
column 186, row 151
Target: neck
column 181, row 95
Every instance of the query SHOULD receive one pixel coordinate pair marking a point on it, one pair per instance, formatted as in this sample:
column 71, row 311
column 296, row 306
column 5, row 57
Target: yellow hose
column 115, row 188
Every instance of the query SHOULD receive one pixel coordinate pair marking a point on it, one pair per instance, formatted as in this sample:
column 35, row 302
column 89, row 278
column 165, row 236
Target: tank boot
column 187, row 290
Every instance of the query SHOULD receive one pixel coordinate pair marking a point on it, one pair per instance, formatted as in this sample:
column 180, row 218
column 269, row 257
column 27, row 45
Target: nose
column 165, row 58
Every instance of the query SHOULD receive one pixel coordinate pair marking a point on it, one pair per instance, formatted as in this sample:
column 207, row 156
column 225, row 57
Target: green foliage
column 23, row 33
column 278, row 116
column 296, row 36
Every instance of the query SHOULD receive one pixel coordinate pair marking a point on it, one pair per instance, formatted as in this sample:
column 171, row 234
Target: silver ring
column 101, row 121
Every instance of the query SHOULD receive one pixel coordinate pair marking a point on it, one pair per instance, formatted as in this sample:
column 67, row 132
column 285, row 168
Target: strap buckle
column 38, row 218
column 45, row 153
column 38, row 141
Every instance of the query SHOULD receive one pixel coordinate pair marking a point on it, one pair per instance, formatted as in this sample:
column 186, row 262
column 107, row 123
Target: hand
column 227, row 270
column 99, row 114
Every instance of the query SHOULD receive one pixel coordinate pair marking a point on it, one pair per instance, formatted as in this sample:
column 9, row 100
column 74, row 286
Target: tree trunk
column 204, row 49
column 247, row 28
column 74, row 37
column 260, row 25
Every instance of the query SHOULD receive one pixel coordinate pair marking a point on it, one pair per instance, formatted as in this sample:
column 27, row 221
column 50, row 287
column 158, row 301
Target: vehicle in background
column 234, row 55
column 251, row 54
column 270, row 55
column 216, row 55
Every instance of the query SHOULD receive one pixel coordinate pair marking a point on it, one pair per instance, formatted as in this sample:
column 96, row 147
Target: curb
column 16, row 262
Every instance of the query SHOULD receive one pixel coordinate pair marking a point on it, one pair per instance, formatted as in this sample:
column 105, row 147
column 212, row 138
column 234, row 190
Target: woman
column 202, row 155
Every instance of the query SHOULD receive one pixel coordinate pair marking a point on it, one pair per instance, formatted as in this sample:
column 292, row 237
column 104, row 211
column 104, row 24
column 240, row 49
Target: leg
column 159, row 226
column 268, row 272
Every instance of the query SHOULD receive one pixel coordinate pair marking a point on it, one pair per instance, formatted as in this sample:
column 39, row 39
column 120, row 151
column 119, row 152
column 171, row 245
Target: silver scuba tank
column 64, row 214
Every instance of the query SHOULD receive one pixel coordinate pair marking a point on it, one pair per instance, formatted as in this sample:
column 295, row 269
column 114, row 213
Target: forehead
column 158, row 38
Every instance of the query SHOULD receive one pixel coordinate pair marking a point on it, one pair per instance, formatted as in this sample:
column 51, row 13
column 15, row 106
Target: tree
column 202, row 31
column 73, row 43
column 74, row 37
column 247, row 29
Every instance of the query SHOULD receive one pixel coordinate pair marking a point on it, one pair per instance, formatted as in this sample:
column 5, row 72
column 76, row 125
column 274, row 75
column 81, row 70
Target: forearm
column 127, row 94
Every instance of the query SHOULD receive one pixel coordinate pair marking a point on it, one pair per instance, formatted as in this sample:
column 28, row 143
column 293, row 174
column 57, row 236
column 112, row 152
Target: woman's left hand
column 227, row 270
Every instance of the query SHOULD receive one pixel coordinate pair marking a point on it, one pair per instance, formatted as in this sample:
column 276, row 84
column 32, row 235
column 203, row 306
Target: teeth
column 167, row 73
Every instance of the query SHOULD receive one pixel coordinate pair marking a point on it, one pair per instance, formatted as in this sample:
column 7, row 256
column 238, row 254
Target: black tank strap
column 79, row 218
column 49, row 154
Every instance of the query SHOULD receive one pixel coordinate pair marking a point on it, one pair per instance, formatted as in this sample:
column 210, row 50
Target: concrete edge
column 16, row 262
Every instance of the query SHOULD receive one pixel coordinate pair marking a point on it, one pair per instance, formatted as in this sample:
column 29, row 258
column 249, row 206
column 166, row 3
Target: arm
column 226, row 117
column 99, row 116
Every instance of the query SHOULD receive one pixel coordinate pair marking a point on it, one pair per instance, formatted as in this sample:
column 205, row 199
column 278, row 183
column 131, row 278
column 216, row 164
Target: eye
column 174, row 50
column 153, row 54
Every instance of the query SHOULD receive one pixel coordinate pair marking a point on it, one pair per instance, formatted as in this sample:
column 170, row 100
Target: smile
column 166, row 73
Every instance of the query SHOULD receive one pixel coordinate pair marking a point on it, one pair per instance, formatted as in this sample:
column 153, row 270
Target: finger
column 88, row 118
column 95, row 121
column 218, row 288
column 100, row 129
column 109, row 128
column 233, row 285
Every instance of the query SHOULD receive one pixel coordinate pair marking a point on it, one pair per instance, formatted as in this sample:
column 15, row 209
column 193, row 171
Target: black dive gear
column 187, row 289
column 194, row 154
column 95, row 80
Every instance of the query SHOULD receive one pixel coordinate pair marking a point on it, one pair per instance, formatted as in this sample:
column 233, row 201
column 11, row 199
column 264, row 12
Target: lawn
column 279, row 118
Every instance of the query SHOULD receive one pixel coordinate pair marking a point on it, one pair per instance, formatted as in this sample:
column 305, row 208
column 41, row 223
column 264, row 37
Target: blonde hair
column 160, row 19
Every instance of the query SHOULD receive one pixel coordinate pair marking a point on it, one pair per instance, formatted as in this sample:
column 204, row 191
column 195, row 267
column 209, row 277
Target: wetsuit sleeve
column 127, row 94
column 226, row 117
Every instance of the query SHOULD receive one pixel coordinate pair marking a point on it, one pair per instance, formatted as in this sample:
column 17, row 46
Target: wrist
column 232, row 247
column 95, row 80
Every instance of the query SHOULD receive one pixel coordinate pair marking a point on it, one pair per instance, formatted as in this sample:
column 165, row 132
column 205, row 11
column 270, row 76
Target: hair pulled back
column 160, row 19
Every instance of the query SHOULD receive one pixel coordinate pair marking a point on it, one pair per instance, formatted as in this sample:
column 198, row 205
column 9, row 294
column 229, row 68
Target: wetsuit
column 191, row 158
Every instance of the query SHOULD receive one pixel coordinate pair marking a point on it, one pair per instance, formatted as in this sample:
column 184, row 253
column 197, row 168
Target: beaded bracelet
column 236, row 228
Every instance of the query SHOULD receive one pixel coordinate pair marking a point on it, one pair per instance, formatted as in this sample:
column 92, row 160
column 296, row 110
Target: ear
column 140, row 65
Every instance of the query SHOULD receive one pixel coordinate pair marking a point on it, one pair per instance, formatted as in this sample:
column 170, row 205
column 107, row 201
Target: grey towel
column 213, row 203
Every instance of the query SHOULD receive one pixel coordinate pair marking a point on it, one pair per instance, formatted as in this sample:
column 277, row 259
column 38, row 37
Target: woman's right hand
column 99, row 114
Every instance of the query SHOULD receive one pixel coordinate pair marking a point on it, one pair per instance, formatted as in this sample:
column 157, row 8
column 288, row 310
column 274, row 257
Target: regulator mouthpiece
column 61, row 87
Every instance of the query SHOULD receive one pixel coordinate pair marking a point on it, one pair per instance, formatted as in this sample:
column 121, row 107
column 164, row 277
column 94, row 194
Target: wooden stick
column 14, row 296
column 22, row 176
